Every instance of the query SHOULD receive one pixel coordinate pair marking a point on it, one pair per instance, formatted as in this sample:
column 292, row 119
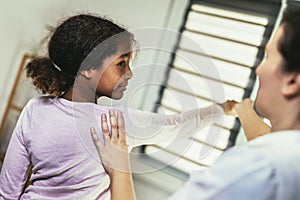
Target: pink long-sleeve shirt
column 53, row 135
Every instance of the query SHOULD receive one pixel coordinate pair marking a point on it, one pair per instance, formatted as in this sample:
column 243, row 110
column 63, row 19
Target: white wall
column 23, row 25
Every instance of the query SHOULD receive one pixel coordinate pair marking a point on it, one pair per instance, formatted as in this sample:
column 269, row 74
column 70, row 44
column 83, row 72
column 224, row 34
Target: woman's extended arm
column 252, row 124
column 114, row 156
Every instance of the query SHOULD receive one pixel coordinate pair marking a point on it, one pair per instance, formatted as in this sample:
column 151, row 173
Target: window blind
column 232, row 36
column 293, row 3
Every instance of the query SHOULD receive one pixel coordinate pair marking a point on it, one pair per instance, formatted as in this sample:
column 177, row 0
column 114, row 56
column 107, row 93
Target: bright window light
column 220, row 48
column 198, row 86
column 180, row 101
column 226, row 70
column 175, row 102
column 230, row 14
column 180, row 164
column 226, row 28
column 221, row 143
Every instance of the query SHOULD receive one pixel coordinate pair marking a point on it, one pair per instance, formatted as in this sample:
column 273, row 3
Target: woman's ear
column 291, row 85
column 87, row 73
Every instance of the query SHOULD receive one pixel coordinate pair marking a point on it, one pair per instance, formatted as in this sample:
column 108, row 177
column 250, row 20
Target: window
column 293, row 3
column 230, row 38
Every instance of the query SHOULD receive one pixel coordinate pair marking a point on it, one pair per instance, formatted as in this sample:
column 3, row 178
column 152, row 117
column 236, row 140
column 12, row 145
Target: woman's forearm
column 122, row 186
column 252, row 124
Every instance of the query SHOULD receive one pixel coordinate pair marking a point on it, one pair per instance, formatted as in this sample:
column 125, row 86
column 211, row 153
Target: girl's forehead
column 125, row 46
column 124, row 50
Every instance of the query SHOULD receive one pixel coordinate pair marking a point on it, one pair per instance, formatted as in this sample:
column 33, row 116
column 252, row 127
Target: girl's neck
column 77, row 96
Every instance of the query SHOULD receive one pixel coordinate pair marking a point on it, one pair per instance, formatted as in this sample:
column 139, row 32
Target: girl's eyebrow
column 124, row 55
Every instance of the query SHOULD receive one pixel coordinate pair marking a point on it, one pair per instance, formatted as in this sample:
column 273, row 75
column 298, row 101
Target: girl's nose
column 128, row 74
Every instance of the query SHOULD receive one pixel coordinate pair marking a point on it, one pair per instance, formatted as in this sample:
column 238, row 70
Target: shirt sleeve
column 152, row 128
column 15, row 166
column 237, row 174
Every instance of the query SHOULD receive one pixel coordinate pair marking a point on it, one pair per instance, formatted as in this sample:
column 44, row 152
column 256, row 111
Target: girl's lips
column 123, row 86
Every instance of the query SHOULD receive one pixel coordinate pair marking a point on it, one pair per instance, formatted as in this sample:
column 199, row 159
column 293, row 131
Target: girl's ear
column 87, row 73
column 291, row 85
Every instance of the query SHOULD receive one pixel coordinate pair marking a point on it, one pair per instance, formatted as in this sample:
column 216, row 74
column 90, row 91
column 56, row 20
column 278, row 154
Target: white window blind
column 293, row 3
column 232, row 35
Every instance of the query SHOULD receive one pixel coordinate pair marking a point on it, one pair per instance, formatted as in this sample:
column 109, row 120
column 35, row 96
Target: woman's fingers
column 121, row 128
column 94, row 135
column 229, row 107
column 114, row 151
column 96, row 139
column 105, row 129
column 104, row 125
column 116, row 134
column 114, row 126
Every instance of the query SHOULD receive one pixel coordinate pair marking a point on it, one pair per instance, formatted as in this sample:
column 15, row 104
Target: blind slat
column 226, row 70
column 199, row 86
column 220, row 48
column 226, row 28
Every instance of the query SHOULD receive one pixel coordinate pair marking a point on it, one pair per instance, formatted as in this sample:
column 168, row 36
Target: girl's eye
column 122, row 64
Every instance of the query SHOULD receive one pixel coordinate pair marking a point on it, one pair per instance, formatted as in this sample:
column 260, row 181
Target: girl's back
column 47, row 136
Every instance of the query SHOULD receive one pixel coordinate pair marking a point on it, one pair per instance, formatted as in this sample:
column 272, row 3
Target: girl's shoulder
column 40, row 100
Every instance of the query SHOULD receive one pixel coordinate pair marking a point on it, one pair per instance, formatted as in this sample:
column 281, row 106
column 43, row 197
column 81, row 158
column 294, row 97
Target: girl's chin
column 117, row 95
